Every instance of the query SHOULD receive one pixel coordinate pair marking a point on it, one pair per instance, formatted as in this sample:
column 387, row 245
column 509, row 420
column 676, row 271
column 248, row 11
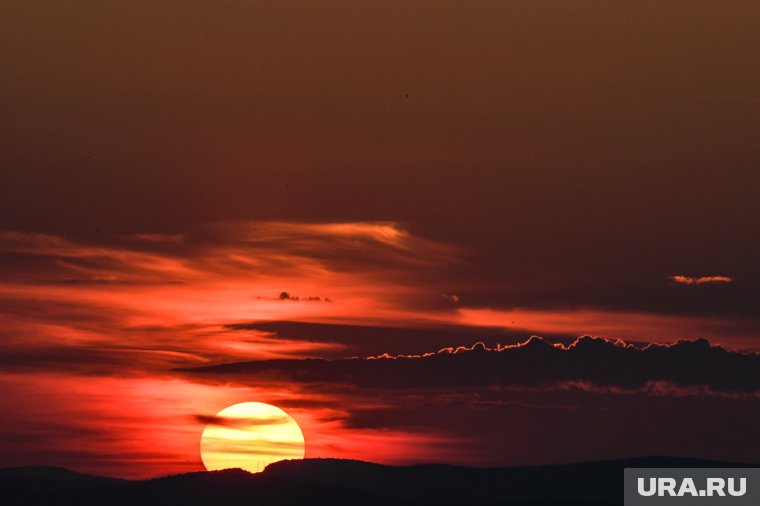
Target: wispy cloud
column 241, row 423
column 700, row 280
column 144, row 302
column 628, row 325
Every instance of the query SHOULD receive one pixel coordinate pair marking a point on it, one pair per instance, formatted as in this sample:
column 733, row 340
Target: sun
column 250, row 435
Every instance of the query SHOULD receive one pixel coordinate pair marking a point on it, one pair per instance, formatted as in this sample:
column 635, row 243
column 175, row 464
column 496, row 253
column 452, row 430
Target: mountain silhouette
column 341, row 482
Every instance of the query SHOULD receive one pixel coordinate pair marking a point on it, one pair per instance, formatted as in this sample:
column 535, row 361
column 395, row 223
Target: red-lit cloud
column 161, row 296
column 700, row 280
column 93, row 333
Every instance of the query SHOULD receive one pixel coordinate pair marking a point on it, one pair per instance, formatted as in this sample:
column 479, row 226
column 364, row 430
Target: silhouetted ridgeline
column 340, row 482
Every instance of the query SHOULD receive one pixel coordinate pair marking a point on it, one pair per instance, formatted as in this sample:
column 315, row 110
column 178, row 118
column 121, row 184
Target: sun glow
column 250, row 436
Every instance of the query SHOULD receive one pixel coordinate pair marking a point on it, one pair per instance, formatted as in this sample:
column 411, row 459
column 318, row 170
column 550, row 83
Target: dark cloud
column 511, row 427
column 310, row 298
column 536, row 362
column 241, row 423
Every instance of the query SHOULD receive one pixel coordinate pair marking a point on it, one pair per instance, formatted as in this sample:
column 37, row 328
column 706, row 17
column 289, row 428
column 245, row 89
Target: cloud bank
column 586, row 363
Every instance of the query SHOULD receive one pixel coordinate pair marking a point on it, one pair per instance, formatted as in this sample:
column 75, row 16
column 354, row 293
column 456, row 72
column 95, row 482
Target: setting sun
column 250, row 436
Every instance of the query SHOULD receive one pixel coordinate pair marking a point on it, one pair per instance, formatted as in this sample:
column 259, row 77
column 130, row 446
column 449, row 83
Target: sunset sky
column 190, row 184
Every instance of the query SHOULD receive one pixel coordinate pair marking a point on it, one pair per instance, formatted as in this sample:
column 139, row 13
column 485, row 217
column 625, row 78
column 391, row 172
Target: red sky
column 413, row 176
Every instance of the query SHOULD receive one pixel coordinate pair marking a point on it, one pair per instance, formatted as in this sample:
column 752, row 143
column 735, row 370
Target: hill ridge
column 343, row 482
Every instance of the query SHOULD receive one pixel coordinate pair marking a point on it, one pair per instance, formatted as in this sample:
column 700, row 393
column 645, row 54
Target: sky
column 190, row 184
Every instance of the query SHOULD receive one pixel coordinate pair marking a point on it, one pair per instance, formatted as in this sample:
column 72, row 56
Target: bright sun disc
column 250, row 435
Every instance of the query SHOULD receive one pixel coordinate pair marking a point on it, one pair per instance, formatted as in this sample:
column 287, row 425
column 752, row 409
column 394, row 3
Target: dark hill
column 340, row 482
column 48, row 473
column 593, row 482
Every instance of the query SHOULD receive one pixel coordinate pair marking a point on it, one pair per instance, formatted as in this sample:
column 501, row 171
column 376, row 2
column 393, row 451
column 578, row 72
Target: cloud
column 700, row 280
column 141, row 302
column 533, row 363
column 631, row 326
column 94, row 330
column 241, row 423
column 377, row 339
column 311, row 298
